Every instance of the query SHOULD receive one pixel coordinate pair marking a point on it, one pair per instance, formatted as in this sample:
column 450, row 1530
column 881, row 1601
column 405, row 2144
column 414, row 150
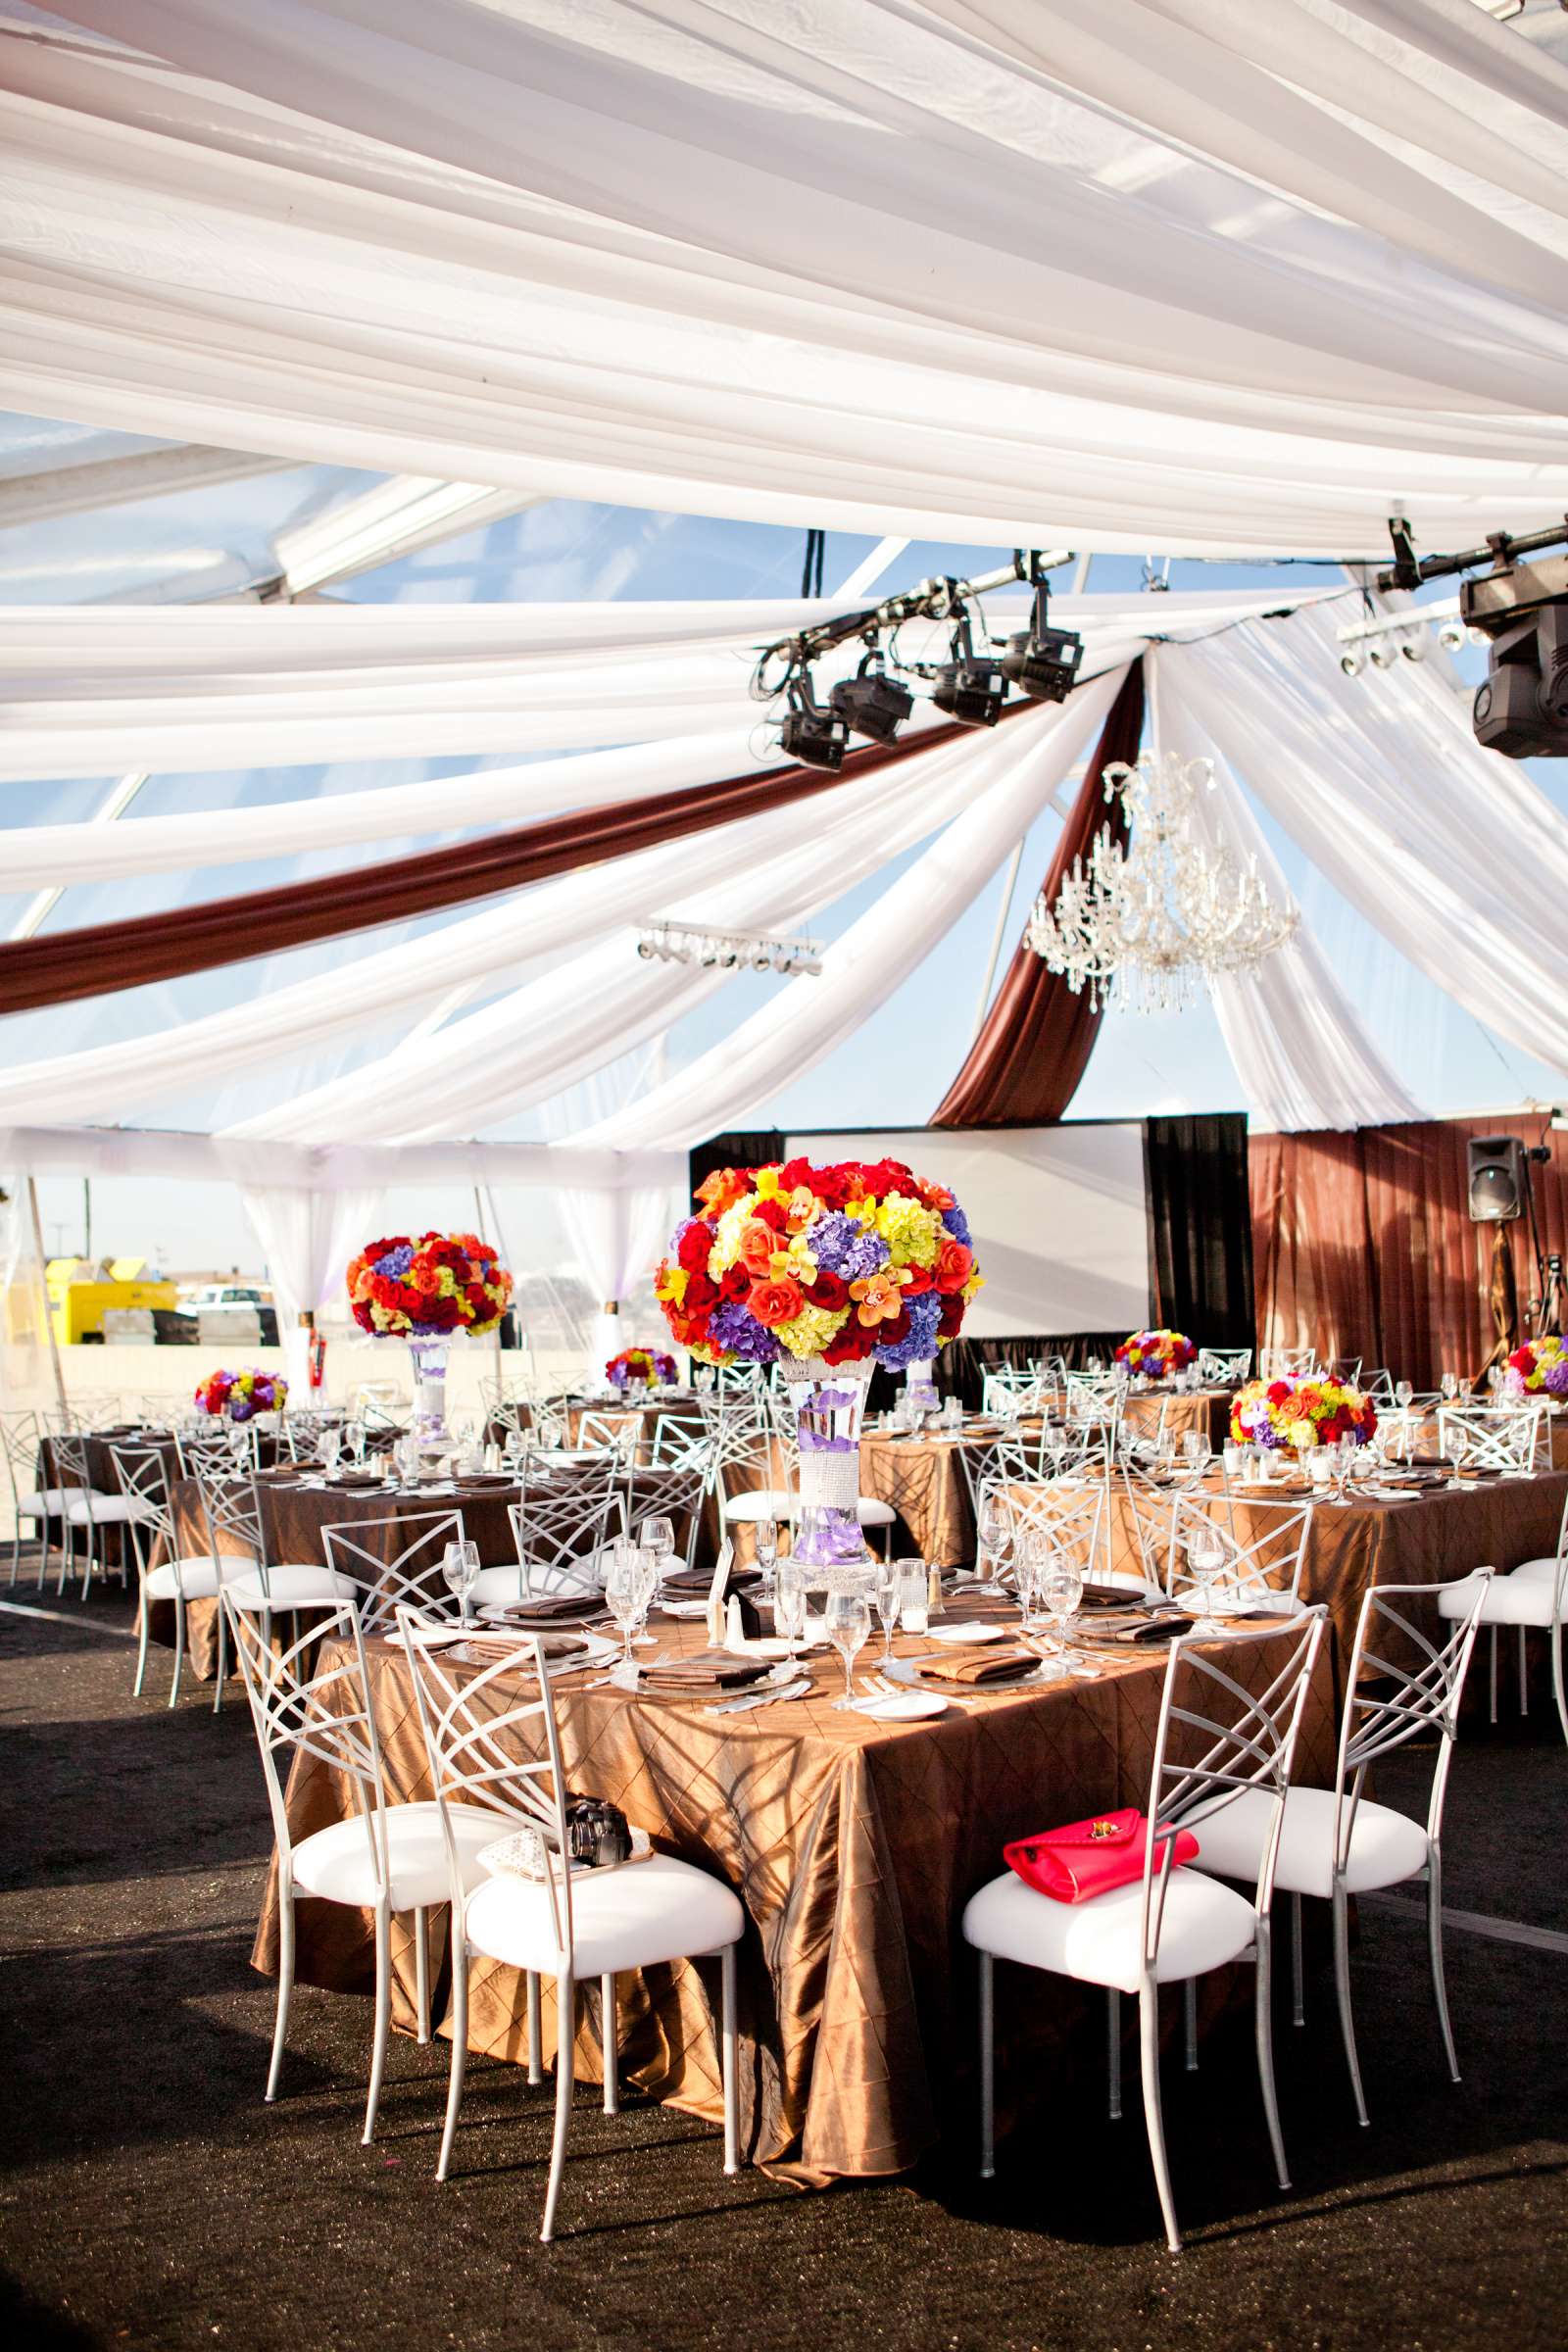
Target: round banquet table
column 853, row 1846
column 1207, row 1410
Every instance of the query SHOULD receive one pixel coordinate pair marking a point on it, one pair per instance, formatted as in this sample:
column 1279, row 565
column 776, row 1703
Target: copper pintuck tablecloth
column 853, row 1846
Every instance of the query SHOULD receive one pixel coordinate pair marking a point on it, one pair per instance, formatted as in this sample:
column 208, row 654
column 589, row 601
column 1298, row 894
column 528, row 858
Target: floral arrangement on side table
column 1539, row 1367
column 241, row 1395
column 1301, row 1413
column 826, row 1272
column 423, row 1291
column 642, row 1364
column 1157, row 1354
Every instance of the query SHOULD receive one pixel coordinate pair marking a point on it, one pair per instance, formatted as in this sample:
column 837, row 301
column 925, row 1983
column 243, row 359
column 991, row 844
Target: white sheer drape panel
column 546, row 1035
column 24, row 1373
column 614, row 1234
column 1016, row 774
column 1259, row 308
column 306, row 1238
column 1451, row 851
column 91, row 690
column 139, row 1072
column 1300, row 1048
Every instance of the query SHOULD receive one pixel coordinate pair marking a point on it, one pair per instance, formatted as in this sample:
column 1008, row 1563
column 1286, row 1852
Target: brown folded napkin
column 1106, row 1596
column 482, row 1646
column 1144, row 1629
column 992, row 1665
column 698, row 1581
column 555, row 1608
column 705, row 1670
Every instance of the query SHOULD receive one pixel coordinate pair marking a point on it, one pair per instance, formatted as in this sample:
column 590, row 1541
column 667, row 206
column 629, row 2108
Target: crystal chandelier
column 1148, row 926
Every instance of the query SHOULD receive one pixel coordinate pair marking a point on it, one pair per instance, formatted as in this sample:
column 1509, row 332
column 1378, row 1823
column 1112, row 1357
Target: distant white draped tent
column 1227, row 283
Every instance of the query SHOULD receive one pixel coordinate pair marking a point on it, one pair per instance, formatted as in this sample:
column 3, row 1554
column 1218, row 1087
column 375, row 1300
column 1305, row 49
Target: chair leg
column 1555, row 1638
column 180, row 1647
column 1263, row 2029
column 565, row 2036
column 730, row 2054
column 1491, row 1677
column 285, row 1985
column 460, row 2046
column 1189, row 2023
column 1114, row 2049
column 223, row 1661
column 535, row 2066
column 1440, row 1988
column 141, row 1650
column 1148, row 2050
column 422, row 1976
column 1342, row 1988
column 383, row 2017
column 1298, row 1966
column 1524, row 1676
column 607, row 2042
column 988, row 2068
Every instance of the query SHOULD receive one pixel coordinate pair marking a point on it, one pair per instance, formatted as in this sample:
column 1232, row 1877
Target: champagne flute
column 767, row 1554
column 849, row 1622
column 627, row 1592
column 993, row 1529
column 459, row 1565
column 1029, row 1552
column 887, row 1590
column 789, row 1604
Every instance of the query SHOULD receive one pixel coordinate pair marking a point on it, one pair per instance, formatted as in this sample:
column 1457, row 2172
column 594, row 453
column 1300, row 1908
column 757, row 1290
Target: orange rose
column 774, row 1303
column 954, row 1264
column 757, row 1245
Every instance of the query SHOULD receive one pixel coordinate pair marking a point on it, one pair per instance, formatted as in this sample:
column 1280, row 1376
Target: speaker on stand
column 1498, row 1192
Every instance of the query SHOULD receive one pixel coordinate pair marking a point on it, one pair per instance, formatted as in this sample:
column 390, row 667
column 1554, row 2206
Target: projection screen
column 1057, row 1215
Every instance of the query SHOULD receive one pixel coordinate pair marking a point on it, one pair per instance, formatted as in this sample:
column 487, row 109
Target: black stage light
column 1521, row 709
column 973, row 687
column 872, row 703
column 815, row 737
column 1043, row 660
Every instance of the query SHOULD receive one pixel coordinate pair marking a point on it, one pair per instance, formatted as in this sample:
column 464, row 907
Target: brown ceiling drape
column 1362, row 1244
column 1024, row 1067
column 100, row 958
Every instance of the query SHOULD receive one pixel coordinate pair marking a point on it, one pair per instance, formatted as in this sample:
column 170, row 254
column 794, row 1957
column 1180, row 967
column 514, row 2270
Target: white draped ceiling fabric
column 1176, row 274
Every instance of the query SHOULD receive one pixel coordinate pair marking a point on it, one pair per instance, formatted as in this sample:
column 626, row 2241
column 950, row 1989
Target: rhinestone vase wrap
column 429, row 1358
column 829, row 1400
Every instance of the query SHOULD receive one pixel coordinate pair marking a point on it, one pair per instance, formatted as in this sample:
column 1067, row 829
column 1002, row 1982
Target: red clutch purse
column 1089, row 1857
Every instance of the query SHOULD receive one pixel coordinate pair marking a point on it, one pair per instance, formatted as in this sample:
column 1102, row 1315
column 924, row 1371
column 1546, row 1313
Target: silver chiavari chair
column 1216, row 1742
column 1335, row 1843
column 1533, row 1598
column 1224, row 1367
column 35, row 1500
column 1506, row 1437
column 163, row 1572
column 1261, row 1546
column 396, row 1561
column 488, row 1747
column 563, row 1533
column 1288, row 1364
column 242, row 1562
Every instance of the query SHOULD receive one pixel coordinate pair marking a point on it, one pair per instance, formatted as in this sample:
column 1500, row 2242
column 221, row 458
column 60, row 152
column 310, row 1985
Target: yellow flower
column 812, row 1330
column 799, row 1259
column 1301, row 1433
column 976, row 1281
column 910, row 1229
column 727, row 1232
column 768, row 1187
column 674, row 1285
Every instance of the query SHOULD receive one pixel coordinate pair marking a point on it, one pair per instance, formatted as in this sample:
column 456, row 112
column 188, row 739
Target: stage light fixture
column 1350, row 663
column 872, row 703
column 1451, row 636
column 1041, row 660
column 971, row 687
column 815, row 737
column 1522, row 707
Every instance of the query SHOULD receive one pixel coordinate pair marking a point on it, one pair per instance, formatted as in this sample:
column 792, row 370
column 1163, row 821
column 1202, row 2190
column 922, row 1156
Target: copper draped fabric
column 1362, row 1244
column 1024, row 1067
column 99, row 957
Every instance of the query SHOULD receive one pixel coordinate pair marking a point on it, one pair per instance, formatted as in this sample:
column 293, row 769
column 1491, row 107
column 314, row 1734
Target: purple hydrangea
column 958, row 1224
column 920, row 1342
column 734, row 1326
column 396, row 1263
column 1555, row 1377
column 839, row 1243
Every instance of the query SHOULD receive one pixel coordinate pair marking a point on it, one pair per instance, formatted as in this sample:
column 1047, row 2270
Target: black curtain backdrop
column 744, row 1148
column 1201, row 1227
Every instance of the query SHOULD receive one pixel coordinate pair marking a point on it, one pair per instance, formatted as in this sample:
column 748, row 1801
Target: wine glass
column 1029, row 1552
column 1403, row 1394
column 459, row 1565
column 328, row 1446
column 628, row 1589
column 406, row 1454
column 767, row 1554
column 1206, row 1557
column 1195, row 1451
column 887, row 1592
column 1451, row 1387
column 354, row 1439
column 1061, row 1589
column 993, row 1531
column 848, row 1621
column 789, row 1604
column 659, row 1542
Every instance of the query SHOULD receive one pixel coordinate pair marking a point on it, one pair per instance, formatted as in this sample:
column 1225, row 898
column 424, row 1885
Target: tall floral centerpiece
column 241, row 1395
column 640, row 1367
column 425, row 1291
column 1280, row 1413
column 825, row 1272
column 1157, row 1354
column 1539, row 1368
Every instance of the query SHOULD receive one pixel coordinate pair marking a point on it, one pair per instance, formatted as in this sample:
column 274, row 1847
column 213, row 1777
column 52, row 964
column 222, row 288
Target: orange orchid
column 801, row 1206
column 880, row 1297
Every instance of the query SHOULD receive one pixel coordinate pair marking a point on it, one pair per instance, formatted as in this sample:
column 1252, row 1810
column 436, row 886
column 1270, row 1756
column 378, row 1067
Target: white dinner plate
column 902, row 1706
column 973, row 1629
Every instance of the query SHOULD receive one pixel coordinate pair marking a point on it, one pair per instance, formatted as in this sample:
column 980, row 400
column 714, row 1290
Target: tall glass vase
column 429, row 1355
column 829, row 1400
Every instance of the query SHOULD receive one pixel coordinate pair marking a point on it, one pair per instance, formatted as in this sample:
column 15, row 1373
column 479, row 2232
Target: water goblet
column 1206, row 1557
column 1451, row 1387
column 1195, row 1451
column 627, row 1590
column 459, row 1565
column 849, row 1622
column 1403, row 1394
column 659, row 1542
column 993, row 1531
column 1060, row 1590
column 328, row 1446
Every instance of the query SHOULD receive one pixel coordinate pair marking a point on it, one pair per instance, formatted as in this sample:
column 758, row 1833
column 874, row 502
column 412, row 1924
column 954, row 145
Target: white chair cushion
column 336, row 1863
column 197, row 1578
column 1536, row 1572
column 544, row 1579
column 650, row 1911
column 1385, row 1847
column 1510, row 1600
column 46, row 1502
column 1099, row 1941
column 290, row 1585
column 85, row 1503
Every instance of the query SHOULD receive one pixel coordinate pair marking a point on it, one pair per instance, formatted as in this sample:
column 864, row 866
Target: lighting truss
column 728, row 951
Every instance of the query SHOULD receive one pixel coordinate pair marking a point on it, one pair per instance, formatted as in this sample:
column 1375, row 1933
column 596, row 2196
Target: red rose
column 834, row 1186
column 774, row 1303
column 1278, row 1391
column 695, row 1244
column 736, row 1282
column 772, row 1213
column 950, row 1317
column 921, row 1280
column 955, row 1265
column 829, row 1291
column 796, row 1172
column 690, row 1330
column 893, row 1329
column 702, row 1295
column 853, row 1343
column 1523, row 1359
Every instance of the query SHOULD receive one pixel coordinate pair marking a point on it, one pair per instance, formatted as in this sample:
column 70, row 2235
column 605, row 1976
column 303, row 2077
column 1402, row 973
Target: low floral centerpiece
column 241, row 1395
column 425, row 1290
column 826, row 1272
column 1302, row 1413
column 1539, row 1368
column 1157, row 1354
column 640, row 1366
